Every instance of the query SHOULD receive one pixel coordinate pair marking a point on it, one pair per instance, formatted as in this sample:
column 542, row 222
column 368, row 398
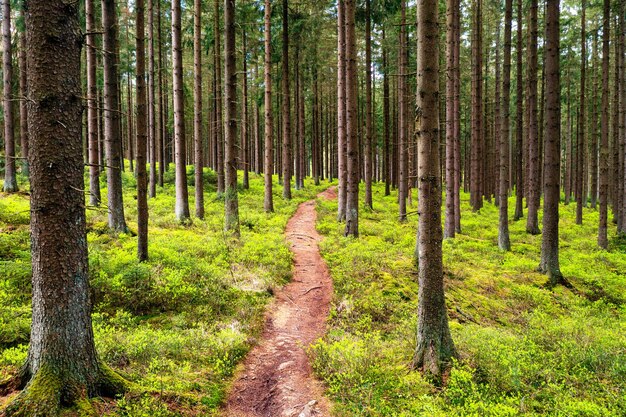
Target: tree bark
column 92, row 106
column 519, row 163
column 160, row 131
column 552, row 149
column 402, row 118
column 231, row 202
column 341, row 112
column 368, row 106
column 352, row 195
column 476, row 133
column 435, row 348
column 581, row 197
column 534, row 154
column 244, row 116
column 504, row 241
column 142, row 136
column 152, row 123
column 268, row 169
column 386, row 119
column 603, row 240
column 112, row 133
column 197, row 112
column 10, row 179
column 62, row 366
column 218, row 99
column 286, row 110
column 452, row 9
column 24, row 106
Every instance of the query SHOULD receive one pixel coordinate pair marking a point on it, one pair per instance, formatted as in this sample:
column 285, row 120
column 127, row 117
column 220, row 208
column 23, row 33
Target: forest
column 313, row 208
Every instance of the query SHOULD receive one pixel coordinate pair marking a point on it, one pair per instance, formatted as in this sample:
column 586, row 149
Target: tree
column 180, row 146
column 142, row 136
column 231, row 202
column 519, row 182
column 197, row 107
column 368, row 106
column 10, row 180
column 341, row 112
column 504, row 241
column 477, row 111
column 352, row 194
column 62, row 365
column 268, row 168
column 403, row 150
column 434, row 342
column 92, row 106
column 153, row 131
column 112, row 131
column 451, row 62
column 286, row 111
column 23, row 105
column 603, row 240
column 552, row 149
column 581, row 198
column 534, row 154
column 217, row 92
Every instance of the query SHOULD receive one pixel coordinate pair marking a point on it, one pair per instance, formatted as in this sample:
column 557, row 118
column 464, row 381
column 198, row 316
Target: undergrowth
column 176, row 325
column 525, row 349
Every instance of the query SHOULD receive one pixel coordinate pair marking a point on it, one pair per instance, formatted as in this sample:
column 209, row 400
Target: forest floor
column 276, row 379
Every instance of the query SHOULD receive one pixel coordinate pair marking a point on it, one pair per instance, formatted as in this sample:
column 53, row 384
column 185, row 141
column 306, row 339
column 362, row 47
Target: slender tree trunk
column 519, row 163
column 62, row 366
column 457, row 119
column 286, row 110
column 593, row 129
column 534, row 154
column 476, row 154
column 368, row 106
column 386, row 119
column 504, row 241
column 352, row 195
column 112, row 133
column 152, row 125
column 142, row 137
column 92, row 106
column 10, row 179
column 449, row 227
column 24, row 106
column 621, row 224
column 402, row 118
column 581, row 197
column 218, row 98
column 160, row 130
column 268, row 169
column 197, row 113
column 301, row 137
column 552, row 161
column 603, row 240
column 341, row 112
column 244, row 117
column 435, row 348
column 231, row 202
column 568, row 146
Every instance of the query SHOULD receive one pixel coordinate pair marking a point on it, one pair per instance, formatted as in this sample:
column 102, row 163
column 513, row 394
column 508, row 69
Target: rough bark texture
column 402, row 119
column 581, row 197
column 434, row 342
column 621, row 227
column 386, row 120
column 231, row 202
column 534, row 154
column 142, row 136
column 152, row 123
column 286, row 110
column 603, row 240
column 160, row 131
column 10, row 179
column 180, row 143
column 352, row 126
column 197, row 109
column 245, row 160
column 268, row 168
column 451, row 62
column 504, row 241
column 552, row 149
column 112, row 131
column 217, row 67
column 341, row 112
column 476, row 116
column 62, row 365
column 92, row 106
column 368, row 106
column 24, row 105
column 519, row 180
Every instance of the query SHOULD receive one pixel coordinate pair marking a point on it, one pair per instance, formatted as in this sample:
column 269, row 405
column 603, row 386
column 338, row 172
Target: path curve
column 277, row 380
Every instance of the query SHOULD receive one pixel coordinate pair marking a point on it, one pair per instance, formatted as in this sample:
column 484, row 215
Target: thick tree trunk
column 552, row 147
column 621, row 224
column 10, row 179
column 231, row 202
column 112, row 133
column 62, row 366
column 197, row 109
column 341, row 112
column 435, row 348
column 519, row 163
column 268, row 169
column 180, row 143
column 92, row 106
column 504, row 241
column 534, row 154
column 352, row 195
column 142, row 136
column 603, row 240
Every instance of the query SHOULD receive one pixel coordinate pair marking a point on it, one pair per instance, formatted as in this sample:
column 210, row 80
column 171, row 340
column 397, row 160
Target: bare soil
column 276, row 380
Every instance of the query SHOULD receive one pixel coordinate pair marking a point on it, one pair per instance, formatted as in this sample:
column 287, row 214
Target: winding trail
column 277, row 380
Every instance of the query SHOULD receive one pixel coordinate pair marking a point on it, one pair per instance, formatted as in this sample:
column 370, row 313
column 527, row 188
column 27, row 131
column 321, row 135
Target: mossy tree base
column 49, row 390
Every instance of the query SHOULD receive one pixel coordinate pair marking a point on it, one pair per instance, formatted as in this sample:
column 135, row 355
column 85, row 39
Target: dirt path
column 277, row 380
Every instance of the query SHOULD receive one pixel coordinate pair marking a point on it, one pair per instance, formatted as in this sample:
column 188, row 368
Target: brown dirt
column 276, row 380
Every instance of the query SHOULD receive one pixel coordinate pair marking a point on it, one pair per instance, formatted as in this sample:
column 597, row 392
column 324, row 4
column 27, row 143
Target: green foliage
column 525, row 349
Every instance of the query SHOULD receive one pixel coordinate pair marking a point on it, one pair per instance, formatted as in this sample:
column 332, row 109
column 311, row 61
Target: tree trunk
column 152, row 124
column 402, row 118
column 24, row 105
column 218, row 98
column 452, row 8
column 341, row 112
column 519, row 163
column 231, row 202
column 112, row 133
column 457, row 120
column 92, row 106
column 160, row 131
column 352, row 195
column 386, row 119
column 534, row 155
column 603, row 241
column 286, row 110
column 593, row 129
column 62, row 366
column 552, row 149
column 435, row 348
column 10, row 179
column 197, row 109
column 581, row 197
column 180, row 144
column 621, row 224
column 244, row 117
column 268, row 169
column 476, row 152
column 504, row 241
column 142, row 137
column 368, row 106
